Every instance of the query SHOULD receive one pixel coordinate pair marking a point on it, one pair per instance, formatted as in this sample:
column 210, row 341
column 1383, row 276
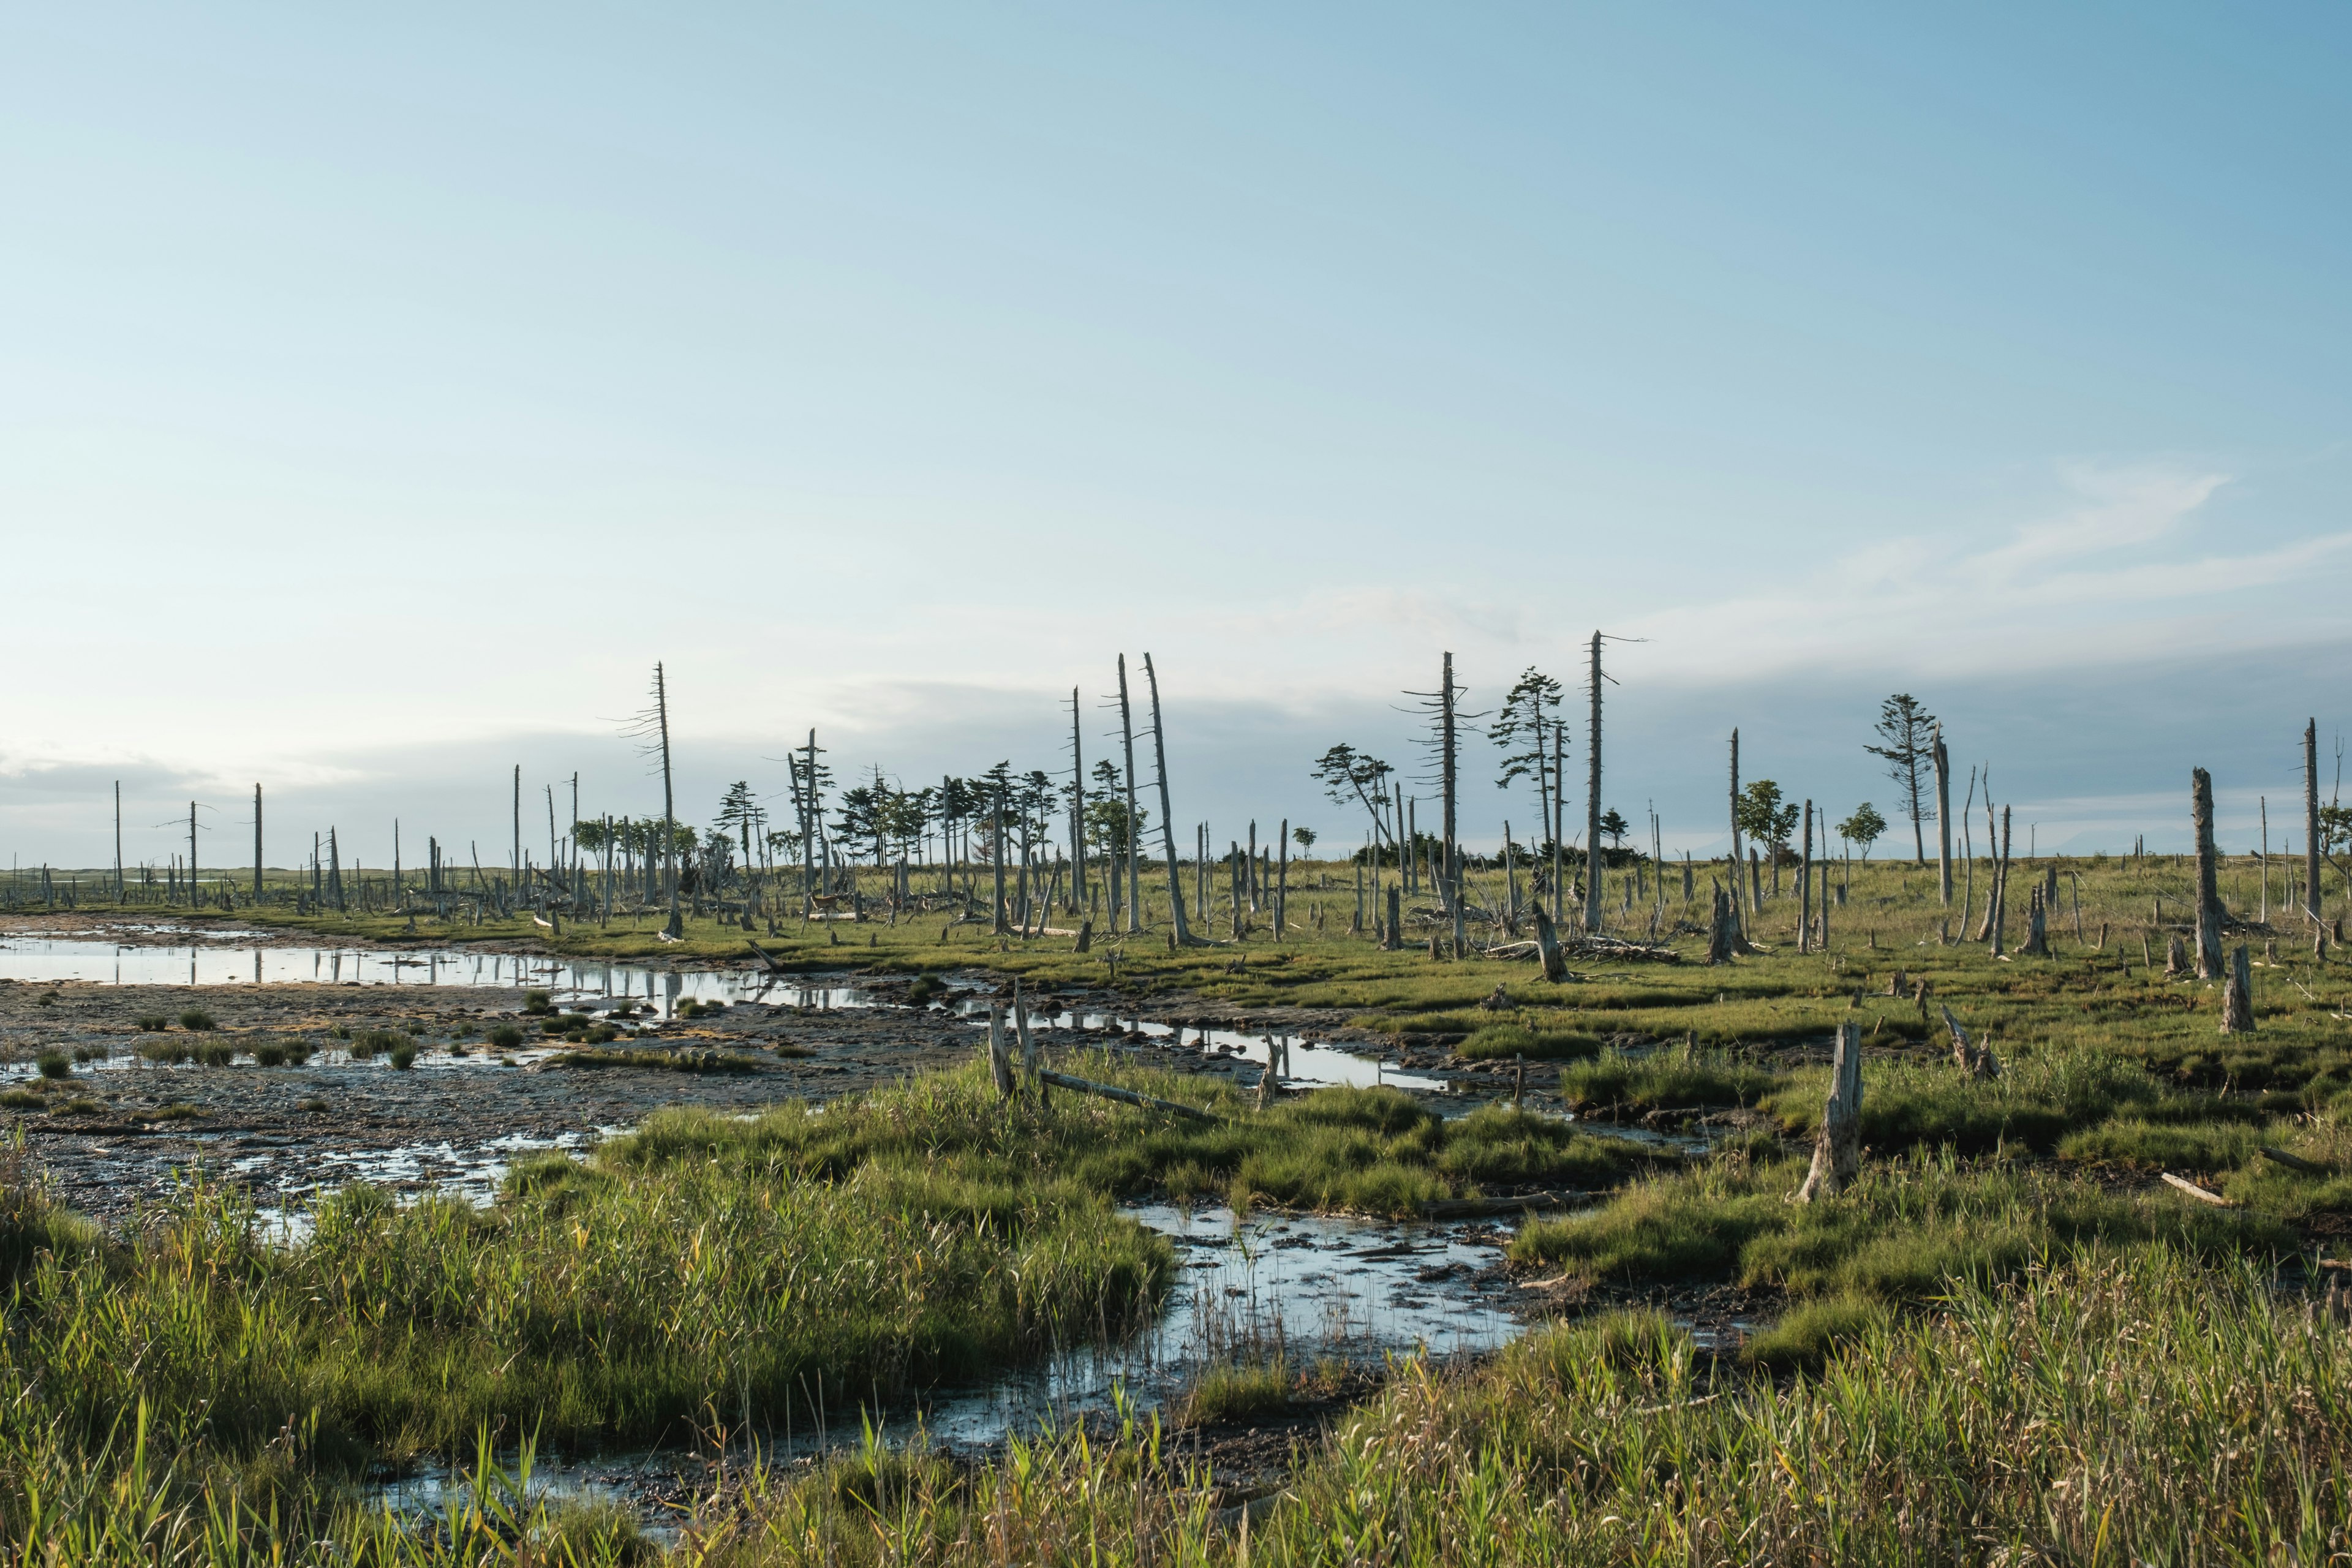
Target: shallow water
column 50, row 959
column 47, row 959
column 1302, row 1286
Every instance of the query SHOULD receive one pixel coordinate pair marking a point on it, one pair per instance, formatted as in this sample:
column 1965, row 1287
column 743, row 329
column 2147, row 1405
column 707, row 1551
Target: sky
column 383, row 393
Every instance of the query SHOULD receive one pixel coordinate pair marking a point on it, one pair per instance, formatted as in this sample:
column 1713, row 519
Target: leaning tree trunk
column 1181, row 932
column 2238, row 995
column 2209, row 959
column 1837, row 1148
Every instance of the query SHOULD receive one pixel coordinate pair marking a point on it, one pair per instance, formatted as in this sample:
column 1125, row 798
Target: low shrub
column 197, row 1020
column 505, row 1036
column 54, row 1063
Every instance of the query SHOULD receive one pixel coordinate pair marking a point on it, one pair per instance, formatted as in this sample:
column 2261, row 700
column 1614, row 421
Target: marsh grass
column 1898, row 1234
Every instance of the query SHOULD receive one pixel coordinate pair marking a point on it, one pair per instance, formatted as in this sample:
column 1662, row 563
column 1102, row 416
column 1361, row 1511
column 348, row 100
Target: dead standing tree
column 1446, row 717
column 1943, row 819
column 1133, row 853
column 1837, row 1147
column 651, row 727
column 2209, row 960
column 1179, row 931
column 2311, row 820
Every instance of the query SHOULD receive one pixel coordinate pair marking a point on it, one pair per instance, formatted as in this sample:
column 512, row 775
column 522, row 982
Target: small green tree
column 1614, row 827
column 1862, row 827
column 1305, row 838
column 1765, row 817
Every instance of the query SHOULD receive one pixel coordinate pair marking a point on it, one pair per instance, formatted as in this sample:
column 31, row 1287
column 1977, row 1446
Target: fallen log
column 2295, row 1162
column 774, row 966
column 1125, row 1096
column 1483, row 1208
column 2200, row 1193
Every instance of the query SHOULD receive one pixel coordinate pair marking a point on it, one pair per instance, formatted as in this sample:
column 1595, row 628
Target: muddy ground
column 118, row 1128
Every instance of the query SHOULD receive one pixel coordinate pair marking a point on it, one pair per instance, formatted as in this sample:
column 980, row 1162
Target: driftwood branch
column 2194, row 1191
column 1126, row 1096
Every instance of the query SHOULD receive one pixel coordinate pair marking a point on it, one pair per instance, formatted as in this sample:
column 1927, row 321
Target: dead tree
column 1593, row 802
column 1134, row 849
column 1943, row 819
column 1805, row 885
column 1721, row 942
column 2311, row 820
column 1977, row 1061
column 2238, row 995
column 999, row 1059
column 1733, row 865
column 1999, row 912
column 2037, row 926
column 1555, row 967
column 2209, row 960
column 1393, row 938
column 1837, row 1148
column 1181, row 932
column 2175, row 957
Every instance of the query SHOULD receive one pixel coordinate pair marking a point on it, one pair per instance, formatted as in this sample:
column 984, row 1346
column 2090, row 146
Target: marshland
column 934, row 1198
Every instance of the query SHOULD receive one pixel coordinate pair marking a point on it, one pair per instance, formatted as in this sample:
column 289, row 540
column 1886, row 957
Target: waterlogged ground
column 118, row 1127
column 113, row 1126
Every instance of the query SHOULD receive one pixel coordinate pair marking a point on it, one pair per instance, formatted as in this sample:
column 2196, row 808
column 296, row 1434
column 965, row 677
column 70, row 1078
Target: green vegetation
column 197, row 1019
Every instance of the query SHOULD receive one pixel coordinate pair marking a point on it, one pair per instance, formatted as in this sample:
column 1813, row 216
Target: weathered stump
column 1837, row 1148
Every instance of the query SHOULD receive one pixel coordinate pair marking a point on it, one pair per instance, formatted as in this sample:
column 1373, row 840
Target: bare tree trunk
column 1943, row 820
column 1077, row 811
column 1282, row 885
column 2311, row 901
column 996, row 857
column 1393, row 939
column 675, row 926
column 1593, row 805
column 2238, row 995
column 1182, row 933
column 2209, row 958
column 1558, row 818
column 1449, row 890
column 257, row 842
column 1805, row 887
column 1735, row 860
column 1998, row 914
column 1127, row 730
column 1837, row 1148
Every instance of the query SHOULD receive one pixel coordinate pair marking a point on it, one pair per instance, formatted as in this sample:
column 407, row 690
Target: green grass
column 1903, row 1230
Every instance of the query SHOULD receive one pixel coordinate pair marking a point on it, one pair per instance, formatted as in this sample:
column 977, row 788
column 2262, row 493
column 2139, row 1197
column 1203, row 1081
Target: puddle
column 37, row 960
column 1305, row 1063
column 1307, row 1285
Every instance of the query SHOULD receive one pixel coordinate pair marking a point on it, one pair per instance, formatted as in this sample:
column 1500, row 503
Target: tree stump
column 1719, row 947
column 1555, row 967
column 2037, row 923
column 2175, row 957
column 1976, row 1060
column 2238, row 995
column 1837, row 1148
column 1394, row 939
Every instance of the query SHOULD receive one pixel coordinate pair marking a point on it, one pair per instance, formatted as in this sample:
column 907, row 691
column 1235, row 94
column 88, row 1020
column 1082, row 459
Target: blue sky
column 381, row 394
